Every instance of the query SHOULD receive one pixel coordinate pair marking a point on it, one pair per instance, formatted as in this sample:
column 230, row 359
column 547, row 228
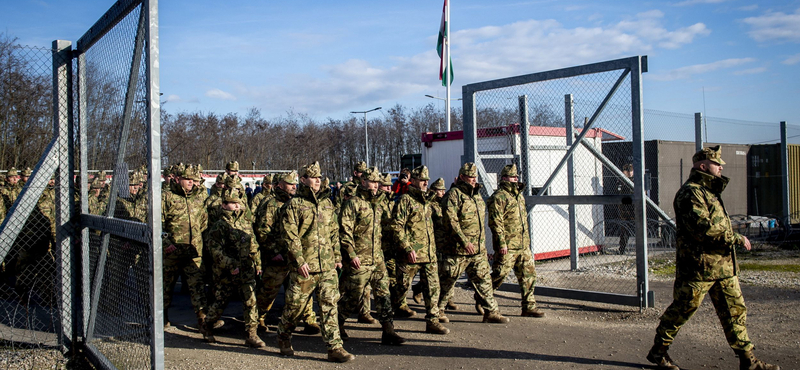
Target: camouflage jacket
column 704, row 235
column 413, row 225
column 439, row 229
column 232, row 243
column 464, row 216
column 97, row 205
column 135, row 207
column 508, row 217
column 184, row 218
column 213, row 206
column 268, row 226
column 47, row 205
column 388, row 241
column 310, row 230
column 360, row 231
column 259, row 199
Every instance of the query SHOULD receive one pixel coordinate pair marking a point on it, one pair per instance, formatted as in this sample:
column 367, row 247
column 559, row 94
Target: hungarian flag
column 444, row 67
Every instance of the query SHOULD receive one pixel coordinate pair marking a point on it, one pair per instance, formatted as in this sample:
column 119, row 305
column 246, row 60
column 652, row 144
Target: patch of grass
column 662, row 267
column 770, row 267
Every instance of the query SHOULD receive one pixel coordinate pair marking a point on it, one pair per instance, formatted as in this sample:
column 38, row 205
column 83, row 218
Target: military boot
column 434, row 327
column 535, row 312
column 404, row 311
column 366, row 319
column 494, row 317
column 166, row 319
column 478, row 307
column 451, row 306
column 339, row 355
column 748, row 361
column 253, row 340
column 218, row 324
column 417, row 290
column 659, row 356
column 442, row 317
column 285, row 345
column 262, row 324
column 389, row 336
column 207, row 331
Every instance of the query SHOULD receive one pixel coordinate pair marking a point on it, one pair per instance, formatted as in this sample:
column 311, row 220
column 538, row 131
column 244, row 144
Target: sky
column 736, row 59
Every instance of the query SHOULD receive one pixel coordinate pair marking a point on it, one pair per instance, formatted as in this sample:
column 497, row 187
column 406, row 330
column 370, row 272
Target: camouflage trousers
column 726, row 295
column 192, row 267
column 353, row 288
column 225, row 285
column 521, row 261
column 478, row 272
column 272, row 279
column 326, row 285
column 428, row 271
column 391, row 271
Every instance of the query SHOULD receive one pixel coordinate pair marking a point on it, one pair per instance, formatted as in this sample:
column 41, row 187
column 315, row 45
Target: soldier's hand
column 170, row 249
column 356, row 262
column 470, row 248
column 412, row 257
column 504, row 250
column 235, row 271
column 258, row 272
column 303, row 270
column 338, row 265
column 746, row 243
column 277, row 258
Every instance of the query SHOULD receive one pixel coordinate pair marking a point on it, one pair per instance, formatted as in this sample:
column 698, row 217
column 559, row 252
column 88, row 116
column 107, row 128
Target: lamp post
column 366, row 140
column 439, row 128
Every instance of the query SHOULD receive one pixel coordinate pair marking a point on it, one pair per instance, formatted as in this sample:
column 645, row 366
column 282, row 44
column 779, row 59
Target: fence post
column 698, row 132
column 639, row 197
column 569, row 116
column 786, row 209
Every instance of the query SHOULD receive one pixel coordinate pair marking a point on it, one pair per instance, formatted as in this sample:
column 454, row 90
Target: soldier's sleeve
column 265, row 217
column 703, row 224
column 450, row 211
column 334, row 228
column 400, row 219
column 496, row 208
column 217, row 238
column 289, row 224
column 347, row 221
column 168, row 240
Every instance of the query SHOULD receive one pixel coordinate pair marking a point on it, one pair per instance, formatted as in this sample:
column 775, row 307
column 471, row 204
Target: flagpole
column 447, row 69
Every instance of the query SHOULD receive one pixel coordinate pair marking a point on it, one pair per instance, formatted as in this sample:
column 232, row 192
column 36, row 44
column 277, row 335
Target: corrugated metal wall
column 765, row 176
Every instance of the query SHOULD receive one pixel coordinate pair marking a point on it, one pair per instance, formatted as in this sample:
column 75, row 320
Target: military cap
column 26, row 172
column 231, row 196
column 387, row 180
column 349, row 190
column 200, row 168
column 372, row 174
column 178, row 169
column 221, row 178
column 232, row 181
column 360, row 167
column 420, row 173
column 12, row 172
column 232, row 166
column 438, row 184
column 166, row 171
column 510, row 170
column 311, row 170
column 469, row 169
column 713, row 154
column 267, row 179
column 134, row 178
column 190, row 172
column 97, row 184
column 287, row 177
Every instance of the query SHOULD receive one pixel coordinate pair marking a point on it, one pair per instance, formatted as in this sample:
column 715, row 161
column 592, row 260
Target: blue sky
column 326, row 58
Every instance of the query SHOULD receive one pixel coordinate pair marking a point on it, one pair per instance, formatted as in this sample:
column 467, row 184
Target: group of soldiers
column 345, row 248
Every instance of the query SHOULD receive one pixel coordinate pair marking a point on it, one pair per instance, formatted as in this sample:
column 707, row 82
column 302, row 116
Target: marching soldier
column 360, row 236
column 464, row 215
column 706, row 264
column 311, row 233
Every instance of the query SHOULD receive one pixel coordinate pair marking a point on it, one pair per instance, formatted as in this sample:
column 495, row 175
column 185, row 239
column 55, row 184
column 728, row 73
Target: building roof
column 605, row 135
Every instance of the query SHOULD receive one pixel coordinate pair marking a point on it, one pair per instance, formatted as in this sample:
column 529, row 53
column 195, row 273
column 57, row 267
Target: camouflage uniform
column 508, row 220
column 310, row 231
column 184, row 218
column 414, row 231
column 262, row 196
column 464, row 216
column 234, row 166
column 97, row 205
column 388, row 241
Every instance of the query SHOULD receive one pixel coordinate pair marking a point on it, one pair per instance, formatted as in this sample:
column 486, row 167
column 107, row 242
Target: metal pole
column 569, row 114
column 785, row 178
column 83, row 118
column 448, row 69
column 698, row 132
column 366, row 140
column 640, row 210
column 525, row 161
column 470, row 126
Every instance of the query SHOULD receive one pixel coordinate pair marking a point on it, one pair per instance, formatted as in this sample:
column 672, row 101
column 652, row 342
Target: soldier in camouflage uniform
column 360, row 236
column 310, row 230
column 183, row 219
column 274, row 258
column 388, row 241
column 13, row 187
column 358, row 169
column 266, row 192
column 415, row 235
column 706, row 264
column 232, row 170
column 24, row 175
column 464, row 215
column 237, row 264
column 508, row 220
column 97, row 205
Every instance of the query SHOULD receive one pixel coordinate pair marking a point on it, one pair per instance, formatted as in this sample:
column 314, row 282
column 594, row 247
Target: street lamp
column 439, row 128
column 366, row 141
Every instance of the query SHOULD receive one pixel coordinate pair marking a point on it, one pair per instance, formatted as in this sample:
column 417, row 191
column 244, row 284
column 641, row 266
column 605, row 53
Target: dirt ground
column 573, row 335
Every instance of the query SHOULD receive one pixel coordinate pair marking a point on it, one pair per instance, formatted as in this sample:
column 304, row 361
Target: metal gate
column 582, row 208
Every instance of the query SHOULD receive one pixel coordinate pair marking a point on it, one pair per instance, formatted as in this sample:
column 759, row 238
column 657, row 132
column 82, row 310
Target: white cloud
column 688, row 71
column 695, row 2
column 750, row 71
column 219, row 94
column 792, row 60
column 748, row 8
column 775, row 26
column 173, row 98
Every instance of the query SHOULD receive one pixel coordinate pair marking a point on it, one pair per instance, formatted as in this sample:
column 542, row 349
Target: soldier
column 508, row 220
column 183, row 219
column 274, row 258
column 232, row 170
column 3, row 206
column 97, row 205
column 388, row 241
column 266, row 191
column 13, row 188
column 358, row 169
column 24, row 175
column 706, row 264
column 237, row 264
column 415, row 235
column 310, row 231
column 360, row 236
column 464, row 215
